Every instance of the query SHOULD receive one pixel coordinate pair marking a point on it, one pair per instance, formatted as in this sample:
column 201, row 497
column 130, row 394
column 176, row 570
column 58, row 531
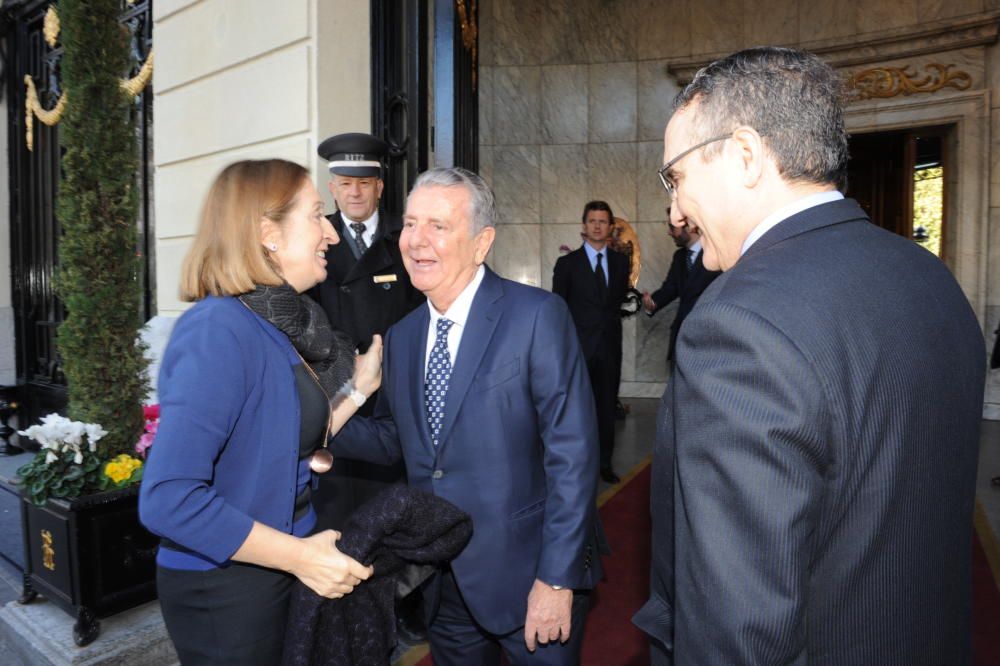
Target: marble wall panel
column 564, row 182
column 991, row 60
column 612, row 176
column 652, row 199
column 564, row 103
column 515, row 253
column 932, row 10
column 664, row 30
column 486, row 26
column 826, row 20
column 716, row 27
column 517, row 184
column 486, row 164
column 993, row 274
column 876, row 15
column 613, row 102
column 991, row 5
column 553, row 236
column 652, row 343
column 628, row 349
column 657, row 253
column 771, row 22
column 527, row 32
column 517, row 105
column 487, row 104
column 656, row 92
column 610, row 27
column 995, row 160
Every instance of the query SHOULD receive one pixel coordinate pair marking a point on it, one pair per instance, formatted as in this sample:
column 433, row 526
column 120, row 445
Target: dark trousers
column 457, row 639
column 605, row 369
column 231, row 616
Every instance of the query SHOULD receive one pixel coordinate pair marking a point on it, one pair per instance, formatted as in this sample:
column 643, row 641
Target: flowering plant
column 69, row 465
column 152, row 415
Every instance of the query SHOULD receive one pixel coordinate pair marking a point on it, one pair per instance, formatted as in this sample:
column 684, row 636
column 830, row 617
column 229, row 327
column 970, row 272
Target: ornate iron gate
column 34, row 183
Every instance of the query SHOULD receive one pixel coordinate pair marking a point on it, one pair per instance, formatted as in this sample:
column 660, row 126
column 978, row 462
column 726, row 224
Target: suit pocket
column 496, row 376
column 529, row 510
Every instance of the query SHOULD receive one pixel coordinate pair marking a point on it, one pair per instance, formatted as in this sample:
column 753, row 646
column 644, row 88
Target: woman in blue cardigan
column 253, row 381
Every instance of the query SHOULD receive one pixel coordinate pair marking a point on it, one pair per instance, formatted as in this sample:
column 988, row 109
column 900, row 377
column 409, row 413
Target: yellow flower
column 121, row 467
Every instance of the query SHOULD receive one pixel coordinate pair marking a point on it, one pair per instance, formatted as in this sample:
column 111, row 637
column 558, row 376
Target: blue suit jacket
column 518, row 445
column 815, row 463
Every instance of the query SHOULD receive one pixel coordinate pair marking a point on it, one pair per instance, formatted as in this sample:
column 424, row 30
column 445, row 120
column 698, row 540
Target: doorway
column 901, row 178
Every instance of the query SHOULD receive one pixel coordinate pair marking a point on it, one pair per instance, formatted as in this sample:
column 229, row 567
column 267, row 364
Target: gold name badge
column 380, row 279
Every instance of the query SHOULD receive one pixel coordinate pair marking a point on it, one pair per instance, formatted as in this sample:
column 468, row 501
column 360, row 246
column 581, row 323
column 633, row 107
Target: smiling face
column 440, row 252
column 707, row 194
column 301, row 240
column 357, row 198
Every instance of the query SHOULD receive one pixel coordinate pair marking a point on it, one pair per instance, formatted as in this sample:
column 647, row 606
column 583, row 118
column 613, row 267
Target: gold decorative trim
column 624, row 239
column 886, row 82
column 470, row 34
column 50, row 27
column 137, row 83
column 48, row 552
column 33, row 107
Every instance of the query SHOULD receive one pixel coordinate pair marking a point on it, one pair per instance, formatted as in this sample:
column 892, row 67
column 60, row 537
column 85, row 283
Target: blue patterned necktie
column 691, row 256
column 436, row 379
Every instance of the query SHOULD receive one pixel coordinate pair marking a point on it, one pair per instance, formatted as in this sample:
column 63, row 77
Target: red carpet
column 612, row 640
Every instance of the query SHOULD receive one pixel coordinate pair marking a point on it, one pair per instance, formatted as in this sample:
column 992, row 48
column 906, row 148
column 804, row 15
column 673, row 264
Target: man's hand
column 549, row 615
column 648, row 303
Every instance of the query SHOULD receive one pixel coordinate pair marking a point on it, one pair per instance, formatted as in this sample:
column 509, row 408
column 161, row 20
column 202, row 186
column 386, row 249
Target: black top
column 314, row 410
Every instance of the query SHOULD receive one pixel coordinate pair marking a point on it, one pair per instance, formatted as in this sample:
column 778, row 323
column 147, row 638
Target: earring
column 273, row 247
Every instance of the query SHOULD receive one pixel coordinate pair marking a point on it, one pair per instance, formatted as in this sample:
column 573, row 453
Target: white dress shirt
column 458, row 313
column 785, row 212
column 592, row 256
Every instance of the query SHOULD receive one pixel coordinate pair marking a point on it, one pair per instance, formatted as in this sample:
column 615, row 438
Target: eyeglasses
column 668, row 182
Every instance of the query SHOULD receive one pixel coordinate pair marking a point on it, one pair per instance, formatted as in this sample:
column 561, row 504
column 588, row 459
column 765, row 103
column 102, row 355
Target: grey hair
column 482, row 203
column 792, row 98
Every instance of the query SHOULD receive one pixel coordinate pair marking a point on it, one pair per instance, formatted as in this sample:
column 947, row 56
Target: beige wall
column 575, row 94
column 239, row 79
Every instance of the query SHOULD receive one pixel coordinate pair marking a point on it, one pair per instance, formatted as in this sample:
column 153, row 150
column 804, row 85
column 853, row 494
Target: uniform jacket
column 815, row 462
column 518, row 444
column 353, row 301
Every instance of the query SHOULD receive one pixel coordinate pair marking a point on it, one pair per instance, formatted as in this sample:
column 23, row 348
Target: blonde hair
column 227, row 257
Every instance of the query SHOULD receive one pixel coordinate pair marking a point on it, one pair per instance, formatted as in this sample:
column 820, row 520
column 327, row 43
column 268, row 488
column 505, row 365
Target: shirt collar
column 370, row 224
column 592, row 253
column 785, row 212
column 696, row 248
column 459, row 310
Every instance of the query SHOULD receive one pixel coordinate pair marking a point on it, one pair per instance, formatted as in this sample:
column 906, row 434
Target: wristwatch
column 557, row 587
column 357, row 397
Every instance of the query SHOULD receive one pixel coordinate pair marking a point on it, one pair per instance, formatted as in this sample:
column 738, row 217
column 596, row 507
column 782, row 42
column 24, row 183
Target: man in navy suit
column 815, row 461
column 685, row 280
column 593, row 280
column 486, row 400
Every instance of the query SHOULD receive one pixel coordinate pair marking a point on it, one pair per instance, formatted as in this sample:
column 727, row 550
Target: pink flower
column 145, row 441
column 151, row 412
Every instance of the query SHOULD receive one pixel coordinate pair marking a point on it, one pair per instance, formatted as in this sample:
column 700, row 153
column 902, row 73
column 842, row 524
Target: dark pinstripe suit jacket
column 816, row 454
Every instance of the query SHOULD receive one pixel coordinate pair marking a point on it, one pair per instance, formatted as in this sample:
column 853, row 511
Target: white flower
column 94, row 433
column 50, row 457
column 78, row 458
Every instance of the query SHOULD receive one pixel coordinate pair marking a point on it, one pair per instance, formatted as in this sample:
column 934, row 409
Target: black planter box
column 89, row 556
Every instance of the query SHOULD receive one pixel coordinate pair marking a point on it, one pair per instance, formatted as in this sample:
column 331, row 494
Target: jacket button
column 437, row 474
column 345, row 288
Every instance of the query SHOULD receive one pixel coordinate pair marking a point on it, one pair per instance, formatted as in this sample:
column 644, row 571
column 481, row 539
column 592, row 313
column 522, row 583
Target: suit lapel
column 482, row 322
column 823, row 215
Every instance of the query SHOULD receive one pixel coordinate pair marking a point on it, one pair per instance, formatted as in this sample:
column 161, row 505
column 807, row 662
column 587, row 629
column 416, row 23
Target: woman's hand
column 324, row 569
column 368, row 368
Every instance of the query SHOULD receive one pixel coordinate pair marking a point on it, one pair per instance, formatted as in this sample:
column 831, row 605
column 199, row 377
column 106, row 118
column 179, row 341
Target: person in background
column 593, row 280
column 686, row 279
column 252, row 381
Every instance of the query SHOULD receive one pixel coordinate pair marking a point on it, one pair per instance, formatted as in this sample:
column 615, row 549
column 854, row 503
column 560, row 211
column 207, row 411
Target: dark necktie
column 359, row 237
column 602, row 280
column 691, row 256
column 436, row 378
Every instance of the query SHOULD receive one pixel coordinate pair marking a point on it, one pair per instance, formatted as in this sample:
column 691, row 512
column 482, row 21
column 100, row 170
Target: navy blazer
column 684, row 283
column 815, row 462
column 518, row 445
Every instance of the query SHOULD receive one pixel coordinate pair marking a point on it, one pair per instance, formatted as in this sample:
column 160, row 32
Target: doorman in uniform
column 366, row 291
